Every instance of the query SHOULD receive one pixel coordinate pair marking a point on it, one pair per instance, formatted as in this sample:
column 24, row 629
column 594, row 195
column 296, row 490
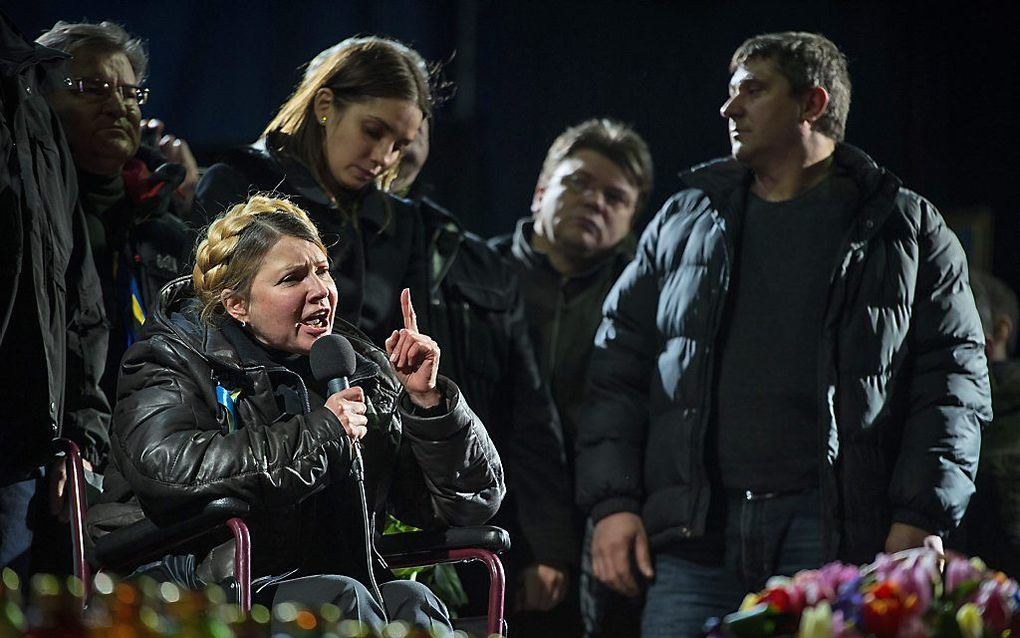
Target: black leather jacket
column 174, row 449
column 903, row 377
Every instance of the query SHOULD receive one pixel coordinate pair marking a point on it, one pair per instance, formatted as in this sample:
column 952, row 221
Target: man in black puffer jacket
column 792, row 368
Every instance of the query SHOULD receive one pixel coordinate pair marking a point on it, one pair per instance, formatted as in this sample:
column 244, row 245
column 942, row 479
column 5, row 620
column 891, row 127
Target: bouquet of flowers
column 914, row 594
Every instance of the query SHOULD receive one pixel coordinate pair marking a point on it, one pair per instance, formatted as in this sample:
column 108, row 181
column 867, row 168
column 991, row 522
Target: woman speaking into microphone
column 219, row 400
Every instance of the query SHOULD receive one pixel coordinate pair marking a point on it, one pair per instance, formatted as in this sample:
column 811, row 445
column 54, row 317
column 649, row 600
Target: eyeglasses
column 101, row 90
column 582, row 183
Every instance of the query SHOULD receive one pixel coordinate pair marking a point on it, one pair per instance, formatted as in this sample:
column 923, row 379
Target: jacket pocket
column 484, row 318
column 484, row 297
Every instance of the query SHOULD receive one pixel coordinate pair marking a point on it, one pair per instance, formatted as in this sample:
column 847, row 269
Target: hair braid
column 236, row 242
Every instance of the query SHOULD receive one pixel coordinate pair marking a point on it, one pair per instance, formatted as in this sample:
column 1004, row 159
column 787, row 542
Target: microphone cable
column 359, row 475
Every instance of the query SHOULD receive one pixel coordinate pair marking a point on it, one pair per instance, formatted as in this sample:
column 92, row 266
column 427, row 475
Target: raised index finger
column 410, row 318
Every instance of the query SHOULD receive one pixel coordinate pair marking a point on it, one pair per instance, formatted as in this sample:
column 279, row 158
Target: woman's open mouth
column 317, row 321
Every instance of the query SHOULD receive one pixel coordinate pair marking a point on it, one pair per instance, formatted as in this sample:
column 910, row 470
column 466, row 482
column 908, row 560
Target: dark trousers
column 404, row 600
column 764, row 536
column 15, row 526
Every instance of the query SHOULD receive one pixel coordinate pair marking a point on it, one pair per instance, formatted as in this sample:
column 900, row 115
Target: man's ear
column 235, row 305
column 322, row 103
column 536, row 199
column 814, row 104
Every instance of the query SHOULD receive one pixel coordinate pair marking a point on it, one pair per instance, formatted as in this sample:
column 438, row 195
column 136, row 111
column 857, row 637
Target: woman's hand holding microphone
column 415, row 361
column 349, row 407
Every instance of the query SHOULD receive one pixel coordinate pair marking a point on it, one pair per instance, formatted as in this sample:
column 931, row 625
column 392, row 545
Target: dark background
column 936, row 88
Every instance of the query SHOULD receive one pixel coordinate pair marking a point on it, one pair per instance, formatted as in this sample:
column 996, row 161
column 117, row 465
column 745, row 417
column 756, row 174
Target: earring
column 244, row 324
column 323, row 120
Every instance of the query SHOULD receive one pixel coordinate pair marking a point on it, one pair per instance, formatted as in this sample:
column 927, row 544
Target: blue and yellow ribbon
column 136, row 316
column 227, row 398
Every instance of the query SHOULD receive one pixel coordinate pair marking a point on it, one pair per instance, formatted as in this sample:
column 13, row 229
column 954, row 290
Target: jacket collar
column 726, row 182
column 18, row 53
column 178, row 314
column 295, row 177
column 878, row 187
column 444, row 235
column 523, row 251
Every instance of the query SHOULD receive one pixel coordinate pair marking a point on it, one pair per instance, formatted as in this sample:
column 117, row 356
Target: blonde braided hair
column 236, row 243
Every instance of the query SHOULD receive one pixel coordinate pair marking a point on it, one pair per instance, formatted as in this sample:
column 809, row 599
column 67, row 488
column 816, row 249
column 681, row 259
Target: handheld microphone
column 332, row 360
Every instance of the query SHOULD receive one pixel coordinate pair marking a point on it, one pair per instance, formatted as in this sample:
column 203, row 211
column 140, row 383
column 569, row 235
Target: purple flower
column 915, row 578
column 850, row 599
column 958, row 572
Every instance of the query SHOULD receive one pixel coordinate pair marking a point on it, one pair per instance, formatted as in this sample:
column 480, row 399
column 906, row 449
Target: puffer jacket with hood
column 902, row 372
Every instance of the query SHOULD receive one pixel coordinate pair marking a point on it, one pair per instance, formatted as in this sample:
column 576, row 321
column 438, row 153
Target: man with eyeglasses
column 128, row 192
column 596, row 176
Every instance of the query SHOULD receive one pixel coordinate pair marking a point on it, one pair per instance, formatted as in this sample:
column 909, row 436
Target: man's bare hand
column 542, row 588
column 176, row 150
column 615, row 538
column 902, row 536
column 57, row 476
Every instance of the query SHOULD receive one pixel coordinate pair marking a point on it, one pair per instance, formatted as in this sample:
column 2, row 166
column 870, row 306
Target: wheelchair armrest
column 407, row 544
column 144, row 540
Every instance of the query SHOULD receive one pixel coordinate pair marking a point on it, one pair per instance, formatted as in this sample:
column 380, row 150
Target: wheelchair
column 143, row 541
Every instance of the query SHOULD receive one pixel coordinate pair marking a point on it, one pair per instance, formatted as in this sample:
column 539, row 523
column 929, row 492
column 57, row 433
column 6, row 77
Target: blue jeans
column 15, row 527
column 764, row 536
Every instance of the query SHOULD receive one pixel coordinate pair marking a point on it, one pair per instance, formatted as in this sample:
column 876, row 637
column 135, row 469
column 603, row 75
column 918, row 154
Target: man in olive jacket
column 792, row 368
column 475, row 312
column 595, row 179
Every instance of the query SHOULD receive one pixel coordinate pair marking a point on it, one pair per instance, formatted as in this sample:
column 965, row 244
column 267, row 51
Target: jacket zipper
column 554, row 337
column 370, row 549
column 710, row 364
column 827, row 372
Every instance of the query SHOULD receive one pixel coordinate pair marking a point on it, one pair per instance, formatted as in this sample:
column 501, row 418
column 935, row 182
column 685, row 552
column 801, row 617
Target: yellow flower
column 816, row 622
column 968, row 617
column 750, row 601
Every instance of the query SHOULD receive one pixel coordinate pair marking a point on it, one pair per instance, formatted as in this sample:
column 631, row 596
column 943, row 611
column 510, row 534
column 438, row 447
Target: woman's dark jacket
column 290, row 460
column 52, row 327
column 372, row 260
column 476, row 314
column 903, row 378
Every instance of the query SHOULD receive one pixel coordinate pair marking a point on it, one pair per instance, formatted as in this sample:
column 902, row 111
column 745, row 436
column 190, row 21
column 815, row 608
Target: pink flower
column 840, row 628
column 914, row 579
column 994, row 606
column 912, row 627
column 958, row 572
